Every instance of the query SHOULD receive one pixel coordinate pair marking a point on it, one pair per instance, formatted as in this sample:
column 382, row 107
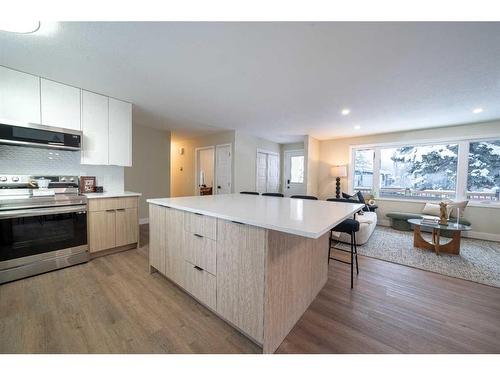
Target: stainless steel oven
column 39, row 233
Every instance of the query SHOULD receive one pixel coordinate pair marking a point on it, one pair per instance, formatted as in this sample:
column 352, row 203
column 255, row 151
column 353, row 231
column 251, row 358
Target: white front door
column 223, row 169
column 293, row 181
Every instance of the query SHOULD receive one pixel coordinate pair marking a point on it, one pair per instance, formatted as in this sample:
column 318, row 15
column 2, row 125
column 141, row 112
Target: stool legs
column 356, row 253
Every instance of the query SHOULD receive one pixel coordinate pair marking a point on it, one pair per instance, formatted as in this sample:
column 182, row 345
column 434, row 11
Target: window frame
column 463, row 143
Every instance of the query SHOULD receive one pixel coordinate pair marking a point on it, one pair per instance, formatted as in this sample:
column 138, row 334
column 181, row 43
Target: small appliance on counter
column 41, row 228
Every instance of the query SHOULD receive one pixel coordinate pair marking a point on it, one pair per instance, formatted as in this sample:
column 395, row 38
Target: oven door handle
column 11, row 214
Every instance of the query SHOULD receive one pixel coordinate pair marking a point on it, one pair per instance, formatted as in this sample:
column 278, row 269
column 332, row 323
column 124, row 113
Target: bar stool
column 272, row 195
column 249, row 192
column 349, row 226
column 310, row 197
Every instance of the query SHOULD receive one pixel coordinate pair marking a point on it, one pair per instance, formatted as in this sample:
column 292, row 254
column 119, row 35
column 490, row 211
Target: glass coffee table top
column 449, row 226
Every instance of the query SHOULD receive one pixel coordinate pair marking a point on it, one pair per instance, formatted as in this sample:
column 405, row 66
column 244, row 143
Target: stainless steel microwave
column 35, row 135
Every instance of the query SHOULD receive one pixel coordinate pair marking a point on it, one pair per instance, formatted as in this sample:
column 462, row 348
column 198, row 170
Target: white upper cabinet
column 120, row 133
column 19, row 96
column 94, row 128
column 60, row 105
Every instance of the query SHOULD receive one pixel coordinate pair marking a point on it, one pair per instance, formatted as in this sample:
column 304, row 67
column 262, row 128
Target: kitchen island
column 257, row 262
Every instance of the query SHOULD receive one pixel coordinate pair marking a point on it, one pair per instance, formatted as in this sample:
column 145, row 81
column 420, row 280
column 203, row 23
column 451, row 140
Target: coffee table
column 452, row 247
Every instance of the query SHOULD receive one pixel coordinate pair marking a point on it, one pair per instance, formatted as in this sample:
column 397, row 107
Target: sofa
column 367, row 223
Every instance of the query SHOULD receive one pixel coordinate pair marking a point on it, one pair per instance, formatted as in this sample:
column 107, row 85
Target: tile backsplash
column 39, row 161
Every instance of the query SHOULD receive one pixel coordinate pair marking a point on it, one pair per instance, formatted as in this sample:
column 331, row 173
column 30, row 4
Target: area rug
column 478, row 261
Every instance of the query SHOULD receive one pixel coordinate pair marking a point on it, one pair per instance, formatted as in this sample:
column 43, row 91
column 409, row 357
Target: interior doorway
column 293, row 179
column 205, row 170
column 267, row 172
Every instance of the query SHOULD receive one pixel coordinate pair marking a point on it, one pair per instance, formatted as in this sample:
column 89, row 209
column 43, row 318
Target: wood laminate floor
column 113, row 305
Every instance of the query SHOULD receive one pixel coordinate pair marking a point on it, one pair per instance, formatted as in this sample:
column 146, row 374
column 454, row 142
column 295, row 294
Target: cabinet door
column 95, row 128
column 19, row 96
column 102, row 226
column 241, row 253
column 126, row 226
column 157, row 237
column 60, row 105
column 120, row 133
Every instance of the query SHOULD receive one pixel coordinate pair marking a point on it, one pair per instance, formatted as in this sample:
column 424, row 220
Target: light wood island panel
column 260, row 281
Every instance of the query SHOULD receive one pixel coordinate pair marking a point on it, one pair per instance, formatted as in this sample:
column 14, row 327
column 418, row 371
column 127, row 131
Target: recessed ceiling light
column 477, row 110
column 345, row 111
column 357, row 127
column 20, row 27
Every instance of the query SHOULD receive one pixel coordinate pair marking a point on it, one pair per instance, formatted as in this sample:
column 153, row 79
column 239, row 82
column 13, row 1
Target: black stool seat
column 249, row 192
column 310, row 197
column 347, row 226
column 273, row 195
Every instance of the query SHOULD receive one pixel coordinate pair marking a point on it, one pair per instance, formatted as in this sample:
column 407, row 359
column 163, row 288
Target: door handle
column 218, row 187
column 198, row 235
column 198, row 268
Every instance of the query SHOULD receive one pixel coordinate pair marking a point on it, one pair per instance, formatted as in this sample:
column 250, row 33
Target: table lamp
column 338, row 171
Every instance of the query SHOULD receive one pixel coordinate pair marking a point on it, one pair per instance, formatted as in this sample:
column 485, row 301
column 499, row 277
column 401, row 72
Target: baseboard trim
column 470, row 234
column 144, row 220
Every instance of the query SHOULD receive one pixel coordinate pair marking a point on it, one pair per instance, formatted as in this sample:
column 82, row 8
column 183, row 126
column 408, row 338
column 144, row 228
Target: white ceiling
column 276, row 80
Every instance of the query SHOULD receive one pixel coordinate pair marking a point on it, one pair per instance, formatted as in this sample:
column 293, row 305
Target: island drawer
column 200, row 251
column 203, row 225
column 201, row 284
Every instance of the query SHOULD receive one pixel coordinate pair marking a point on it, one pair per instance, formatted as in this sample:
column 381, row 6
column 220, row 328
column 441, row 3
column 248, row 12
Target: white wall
column 150, row 171
column 245, row 159
column 311, row 152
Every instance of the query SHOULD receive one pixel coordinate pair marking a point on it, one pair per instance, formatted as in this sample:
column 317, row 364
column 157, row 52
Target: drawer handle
column 120, row 209
column 237, row 222
column 198, row 268
column 198, row 235
column 110, row 210
column 196, row 213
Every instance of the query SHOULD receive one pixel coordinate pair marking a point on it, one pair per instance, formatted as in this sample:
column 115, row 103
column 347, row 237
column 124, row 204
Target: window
column 421, row 172
column 297, row 169
column 465, row 169
column 483, row 177
column 363, row 170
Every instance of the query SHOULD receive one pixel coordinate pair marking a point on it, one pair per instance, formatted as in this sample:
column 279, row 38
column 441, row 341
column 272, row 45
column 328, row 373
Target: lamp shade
column 338, row 171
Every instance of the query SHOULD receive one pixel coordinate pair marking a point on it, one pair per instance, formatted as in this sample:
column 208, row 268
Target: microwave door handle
column 10, row 214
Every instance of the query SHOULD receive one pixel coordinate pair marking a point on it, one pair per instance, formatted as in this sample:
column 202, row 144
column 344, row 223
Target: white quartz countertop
column 302, row 217
column 112, row 194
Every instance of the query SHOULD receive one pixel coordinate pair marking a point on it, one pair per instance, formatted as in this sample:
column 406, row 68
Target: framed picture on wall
column 87, row 184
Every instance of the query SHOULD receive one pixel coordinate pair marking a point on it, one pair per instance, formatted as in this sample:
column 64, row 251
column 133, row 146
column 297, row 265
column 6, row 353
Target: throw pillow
column 361, row 199
column 347, row 196
column 453, row 205
column 431, row 209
